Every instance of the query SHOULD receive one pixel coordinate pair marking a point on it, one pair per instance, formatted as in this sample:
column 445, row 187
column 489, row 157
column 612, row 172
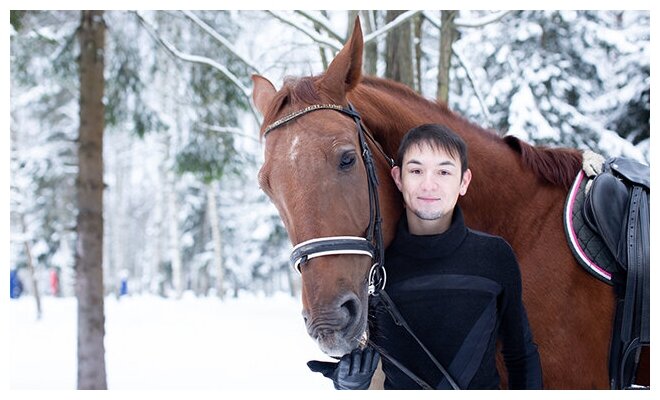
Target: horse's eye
column 347, row 160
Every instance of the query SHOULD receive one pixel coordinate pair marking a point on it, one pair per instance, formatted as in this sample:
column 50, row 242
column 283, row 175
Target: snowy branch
column 217, row 36
column 479, row 22
column 227, row 130
column 323, row 23
column 199, row 60
column 466, row 67
column 333, row 44
column 468, row 23
column 391, row 25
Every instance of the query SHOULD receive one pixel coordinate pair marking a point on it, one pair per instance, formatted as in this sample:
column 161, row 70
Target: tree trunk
column 89, row 188
column 324, row 57
column 448, row 35
column 216, row 237
column 371, row 48
column 173, row 231
column 399, row 52
column 30, row 266
column 419, row 19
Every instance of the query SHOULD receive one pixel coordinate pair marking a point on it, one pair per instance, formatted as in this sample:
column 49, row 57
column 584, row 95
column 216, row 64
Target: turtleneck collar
column 431, row 246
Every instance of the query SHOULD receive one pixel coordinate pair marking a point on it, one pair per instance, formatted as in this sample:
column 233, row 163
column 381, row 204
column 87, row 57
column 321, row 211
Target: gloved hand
column 353, row 371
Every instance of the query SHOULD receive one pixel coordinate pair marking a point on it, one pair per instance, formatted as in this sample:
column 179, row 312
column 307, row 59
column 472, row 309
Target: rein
column 371, row 245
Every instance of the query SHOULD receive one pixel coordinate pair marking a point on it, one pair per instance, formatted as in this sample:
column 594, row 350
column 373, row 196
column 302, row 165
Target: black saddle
column 606, row 205
column 617, row 209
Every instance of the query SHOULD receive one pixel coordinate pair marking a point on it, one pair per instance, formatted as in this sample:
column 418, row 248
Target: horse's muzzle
column 340, row 327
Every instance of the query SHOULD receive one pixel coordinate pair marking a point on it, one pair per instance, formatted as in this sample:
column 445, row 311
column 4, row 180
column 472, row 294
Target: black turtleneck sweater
column 459, row 291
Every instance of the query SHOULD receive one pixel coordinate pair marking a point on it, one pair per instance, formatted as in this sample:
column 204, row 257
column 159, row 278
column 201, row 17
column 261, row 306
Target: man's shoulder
column 490, row 241
column 488, row 237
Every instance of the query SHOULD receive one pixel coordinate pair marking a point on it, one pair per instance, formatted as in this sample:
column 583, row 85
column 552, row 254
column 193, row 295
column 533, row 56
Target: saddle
column 611, row 213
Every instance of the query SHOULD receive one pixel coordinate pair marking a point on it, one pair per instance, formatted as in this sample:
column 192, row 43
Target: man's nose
column 429, row 182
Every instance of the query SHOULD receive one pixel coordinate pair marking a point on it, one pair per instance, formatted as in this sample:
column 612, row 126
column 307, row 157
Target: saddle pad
column 587, row 246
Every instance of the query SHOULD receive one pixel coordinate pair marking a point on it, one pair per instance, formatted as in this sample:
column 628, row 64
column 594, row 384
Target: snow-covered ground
column 249, row 343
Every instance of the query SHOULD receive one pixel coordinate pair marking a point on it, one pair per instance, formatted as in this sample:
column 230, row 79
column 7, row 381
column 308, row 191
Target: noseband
column 371, row 245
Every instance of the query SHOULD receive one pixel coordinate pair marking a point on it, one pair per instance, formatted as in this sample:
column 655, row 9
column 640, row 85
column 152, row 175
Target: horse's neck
column 493, row 191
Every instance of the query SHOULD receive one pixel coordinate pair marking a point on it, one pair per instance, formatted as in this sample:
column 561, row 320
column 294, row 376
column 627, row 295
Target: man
column 458, row 289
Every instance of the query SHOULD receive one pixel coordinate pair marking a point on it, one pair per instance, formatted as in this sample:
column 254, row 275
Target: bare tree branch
column 396, row 22
column 466, row 67
column 333, row 44
column 322, row 22
column 466, row 23
column 217, row 36
column 199, row 60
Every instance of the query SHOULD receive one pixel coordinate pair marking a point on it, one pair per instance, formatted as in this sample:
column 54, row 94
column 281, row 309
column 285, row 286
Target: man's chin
column 428, row 215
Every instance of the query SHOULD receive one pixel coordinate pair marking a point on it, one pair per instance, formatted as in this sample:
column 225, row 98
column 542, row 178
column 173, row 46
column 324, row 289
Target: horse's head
column 314, row 174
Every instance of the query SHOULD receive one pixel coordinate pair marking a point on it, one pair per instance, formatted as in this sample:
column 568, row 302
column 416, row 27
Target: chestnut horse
column 314, row 175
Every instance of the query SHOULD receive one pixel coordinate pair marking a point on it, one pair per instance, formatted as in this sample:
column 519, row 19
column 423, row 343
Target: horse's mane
column 555, row 166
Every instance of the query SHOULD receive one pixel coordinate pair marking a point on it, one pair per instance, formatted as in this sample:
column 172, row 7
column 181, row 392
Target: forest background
column 182, row 211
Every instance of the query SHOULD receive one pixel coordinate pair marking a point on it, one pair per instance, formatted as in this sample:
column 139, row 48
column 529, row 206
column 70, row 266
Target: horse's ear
column 345, row 70
column 262, row 93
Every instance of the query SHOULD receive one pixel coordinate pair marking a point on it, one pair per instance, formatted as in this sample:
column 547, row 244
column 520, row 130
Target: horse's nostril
column 350, row 307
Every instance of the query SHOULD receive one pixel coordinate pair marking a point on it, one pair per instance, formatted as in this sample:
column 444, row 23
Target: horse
column 313, row 175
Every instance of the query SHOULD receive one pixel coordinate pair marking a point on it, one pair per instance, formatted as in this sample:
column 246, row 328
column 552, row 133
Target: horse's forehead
column 315, row 133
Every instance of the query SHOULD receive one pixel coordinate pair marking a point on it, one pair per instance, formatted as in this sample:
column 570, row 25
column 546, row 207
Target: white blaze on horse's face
column 293, row 152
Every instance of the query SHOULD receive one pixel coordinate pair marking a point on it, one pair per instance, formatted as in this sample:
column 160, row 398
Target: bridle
column 372, row 244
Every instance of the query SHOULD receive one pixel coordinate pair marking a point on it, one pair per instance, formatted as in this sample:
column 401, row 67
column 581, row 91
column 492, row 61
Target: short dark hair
column 437, row 137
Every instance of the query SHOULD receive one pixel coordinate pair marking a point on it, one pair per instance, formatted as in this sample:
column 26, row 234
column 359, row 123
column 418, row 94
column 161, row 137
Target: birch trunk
column 216, row 237
column 89, row 190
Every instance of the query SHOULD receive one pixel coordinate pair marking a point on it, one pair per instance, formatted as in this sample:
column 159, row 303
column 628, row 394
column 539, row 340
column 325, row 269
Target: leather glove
column 353, row 371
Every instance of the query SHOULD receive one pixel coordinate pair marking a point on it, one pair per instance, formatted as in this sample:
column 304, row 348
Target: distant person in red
column 54, row 282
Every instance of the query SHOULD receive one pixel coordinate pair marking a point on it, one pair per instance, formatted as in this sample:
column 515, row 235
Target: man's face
column 430, row 181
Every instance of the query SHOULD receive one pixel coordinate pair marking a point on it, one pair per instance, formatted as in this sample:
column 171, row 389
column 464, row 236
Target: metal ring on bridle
column 376, row 280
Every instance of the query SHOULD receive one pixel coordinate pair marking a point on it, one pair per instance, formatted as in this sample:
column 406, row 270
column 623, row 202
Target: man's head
column 431, row 172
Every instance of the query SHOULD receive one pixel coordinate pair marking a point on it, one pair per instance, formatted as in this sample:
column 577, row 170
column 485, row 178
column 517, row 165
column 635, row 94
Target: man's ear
column 396, row 175
column 465, row 182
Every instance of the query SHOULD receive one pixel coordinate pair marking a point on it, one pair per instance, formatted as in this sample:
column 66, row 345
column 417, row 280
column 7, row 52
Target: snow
column 247, row 343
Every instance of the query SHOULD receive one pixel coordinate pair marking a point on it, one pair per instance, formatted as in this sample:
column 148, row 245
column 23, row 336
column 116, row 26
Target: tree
column 89, row 187
column 399, row 59
column 448, row 35
column 558, row 77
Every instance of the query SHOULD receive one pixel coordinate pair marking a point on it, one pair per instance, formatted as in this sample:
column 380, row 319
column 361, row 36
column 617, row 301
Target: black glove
column 352, row 372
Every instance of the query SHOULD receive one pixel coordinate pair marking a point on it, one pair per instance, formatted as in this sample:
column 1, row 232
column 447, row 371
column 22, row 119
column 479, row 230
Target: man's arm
column 520, row 353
